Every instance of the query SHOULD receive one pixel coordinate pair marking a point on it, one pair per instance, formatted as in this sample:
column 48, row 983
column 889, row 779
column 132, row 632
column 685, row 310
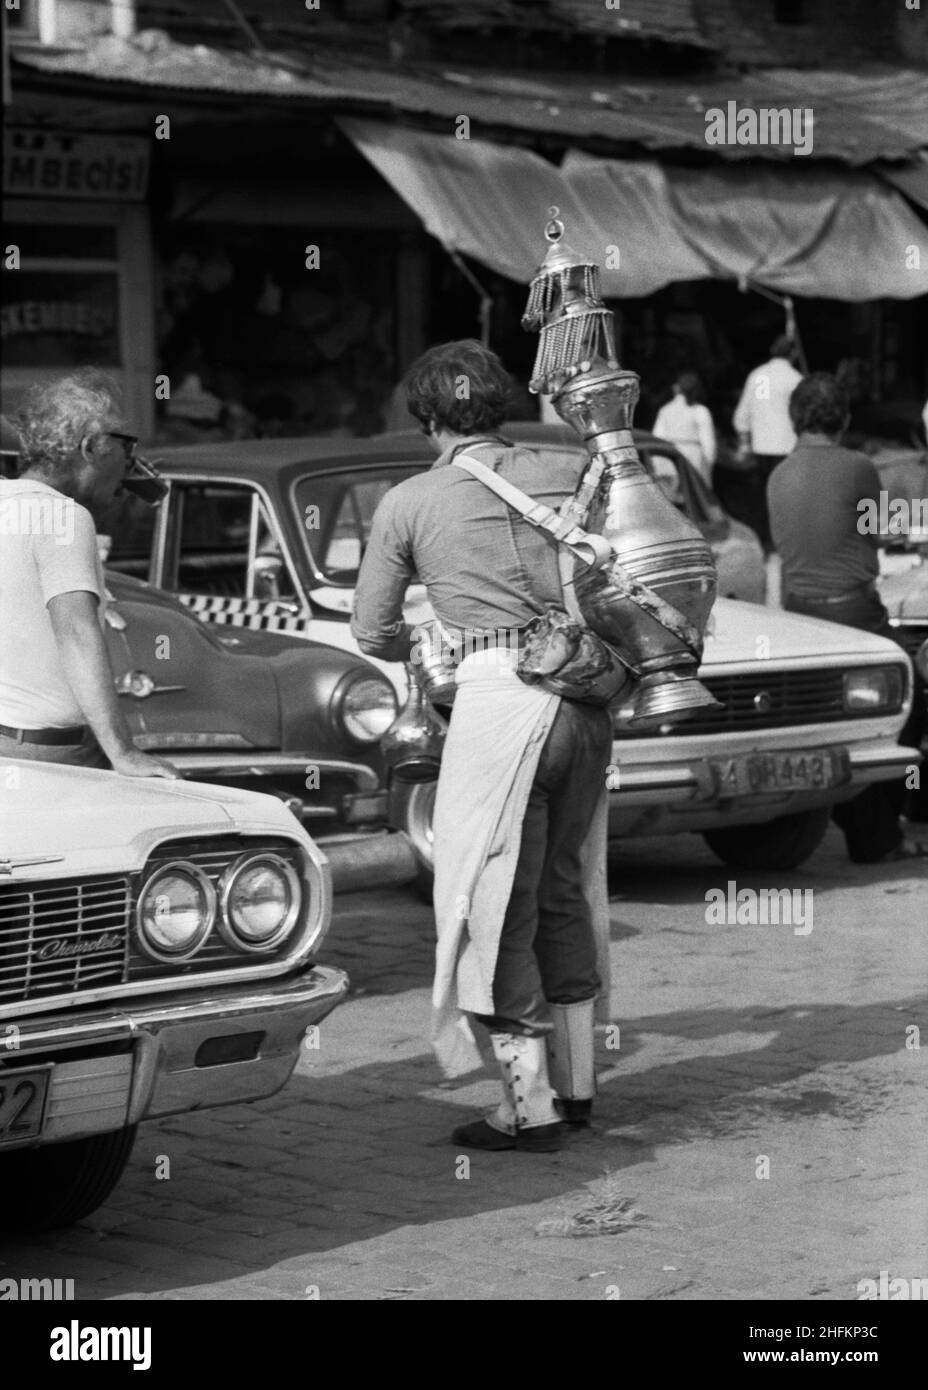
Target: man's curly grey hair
column 57, row 416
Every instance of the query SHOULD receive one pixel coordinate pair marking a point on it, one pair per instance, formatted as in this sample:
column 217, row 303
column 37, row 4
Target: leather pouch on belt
column 567, row 659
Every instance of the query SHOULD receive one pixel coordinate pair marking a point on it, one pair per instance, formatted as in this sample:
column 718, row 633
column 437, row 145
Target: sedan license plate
column 755, row 773
column 23, row 1095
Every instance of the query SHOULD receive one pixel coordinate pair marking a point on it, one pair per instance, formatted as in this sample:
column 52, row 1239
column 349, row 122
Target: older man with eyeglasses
column 58, row 701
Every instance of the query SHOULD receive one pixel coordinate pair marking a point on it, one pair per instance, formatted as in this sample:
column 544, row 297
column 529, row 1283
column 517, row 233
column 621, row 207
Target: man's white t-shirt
column 763, row 410
column 47, row 547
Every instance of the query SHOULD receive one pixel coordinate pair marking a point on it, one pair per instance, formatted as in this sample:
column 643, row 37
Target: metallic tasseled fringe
column 571, row 340
column 549, row 285
column 541, row 294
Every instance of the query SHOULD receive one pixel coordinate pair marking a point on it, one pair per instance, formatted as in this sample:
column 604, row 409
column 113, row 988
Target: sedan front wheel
column 61, row 1183
column 779, row 844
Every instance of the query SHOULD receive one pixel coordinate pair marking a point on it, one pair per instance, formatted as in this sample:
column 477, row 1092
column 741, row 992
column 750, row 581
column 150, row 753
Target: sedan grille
column 762, row 700
column 57, row 938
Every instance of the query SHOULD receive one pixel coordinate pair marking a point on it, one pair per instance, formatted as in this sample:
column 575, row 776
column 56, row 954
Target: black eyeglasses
column 129, row 441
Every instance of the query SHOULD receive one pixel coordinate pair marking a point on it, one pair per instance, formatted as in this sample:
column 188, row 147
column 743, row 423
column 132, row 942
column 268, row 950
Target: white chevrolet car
column 157, row 944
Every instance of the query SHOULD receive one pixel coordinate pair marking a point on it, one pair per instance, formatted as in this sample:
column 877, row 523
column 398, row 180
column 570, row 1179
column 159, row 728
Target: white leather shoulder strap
column 590, row 550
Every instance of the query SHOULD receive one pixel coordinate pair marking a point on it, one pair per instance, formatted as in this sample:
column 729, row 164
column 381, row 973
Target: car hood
column 91, row 821
column 741, row 633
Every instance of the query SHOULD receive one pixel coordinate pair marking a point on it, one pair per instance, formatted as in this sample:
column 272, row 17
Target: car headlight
column 921, row 660
column 874, row 689
column 260, row 898
column 175, row 911
column 367, row 708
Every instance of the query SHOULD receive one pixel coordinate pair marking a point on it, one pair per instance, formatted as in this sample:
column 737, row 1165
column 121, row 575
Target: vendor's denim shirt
column 485, row 568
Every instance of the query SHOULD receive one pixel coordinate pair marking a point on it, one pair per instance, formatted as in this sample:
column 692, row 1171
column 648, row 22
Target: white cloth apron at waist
column 498, row 729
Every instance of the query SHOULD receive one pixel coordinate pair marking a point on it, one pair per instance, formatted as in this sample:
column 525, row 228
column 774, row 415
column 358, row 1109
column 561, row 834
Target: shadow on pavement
column 334, row 1160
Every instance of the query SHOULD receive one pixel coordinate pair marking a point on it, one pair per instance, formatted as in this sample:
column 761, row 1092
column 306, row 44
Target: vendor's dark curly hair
column 462, row 387
column 819, row 404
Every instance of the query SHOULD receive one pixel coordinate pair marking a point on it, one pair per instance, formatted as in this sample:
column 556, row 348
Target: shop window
column 61, row 318
column 62, row 308
column 83, row 241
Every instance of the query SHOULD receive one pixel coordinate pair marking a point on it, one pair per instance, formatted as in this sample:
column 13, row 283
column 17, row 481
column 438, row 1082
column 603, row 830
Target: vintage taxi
column 246, row 708
column 271, row 533
column 157, row 955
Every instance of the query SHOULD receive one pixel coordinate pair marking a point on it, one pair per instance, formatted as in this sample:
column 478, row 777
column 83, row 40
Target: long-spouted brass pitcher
column 651, row 601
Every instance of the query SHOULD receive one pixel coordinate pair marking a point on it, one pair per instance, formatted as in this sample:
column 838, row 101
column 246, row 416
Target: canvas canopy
column 837, row 235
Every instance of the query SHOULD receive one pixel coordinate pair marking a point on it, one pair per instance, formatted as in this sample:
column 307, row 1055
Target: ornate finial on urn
column 576, row 328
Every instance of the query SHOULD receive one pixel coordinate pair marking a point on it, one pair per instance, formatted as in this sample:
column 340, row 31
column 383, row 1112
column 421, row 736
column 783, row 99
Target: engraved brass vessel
column 651, row 600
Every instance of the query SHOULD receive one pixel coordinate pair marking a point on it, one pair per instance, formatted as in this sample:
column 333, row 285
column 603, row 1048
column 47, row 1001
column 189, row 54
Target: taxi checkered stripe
column 252, row 613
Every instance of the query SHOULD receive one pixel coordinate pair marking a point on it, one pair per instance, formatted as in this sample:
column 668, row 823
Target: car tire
column 778, row 844
column 412, row 806
column 62, row 1183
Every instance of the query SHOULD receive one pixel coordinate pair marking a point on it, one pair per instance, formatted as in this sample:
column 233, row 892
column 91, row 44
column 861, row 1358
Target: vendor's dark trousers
column 547, row 951
column 870, row 820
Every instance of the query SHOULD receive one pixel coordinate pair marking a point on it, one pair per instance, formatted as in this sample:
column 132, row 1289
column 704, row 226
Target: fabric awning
column 911, row 179
column 841, row 235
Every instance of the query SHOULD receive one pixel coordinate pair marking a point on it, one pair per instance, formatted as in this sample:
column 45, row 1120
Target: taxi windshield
column 336, row 511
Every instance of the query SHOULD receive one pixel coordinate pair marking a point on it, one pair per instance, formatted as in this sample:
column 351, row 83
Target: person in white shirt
column 686, row 422
column 762, row 421
column 58, row 702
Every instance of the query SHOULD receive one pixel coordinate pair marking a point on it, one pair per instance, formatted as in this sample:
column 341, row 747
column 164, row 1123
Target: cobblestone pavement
column 737, row 1044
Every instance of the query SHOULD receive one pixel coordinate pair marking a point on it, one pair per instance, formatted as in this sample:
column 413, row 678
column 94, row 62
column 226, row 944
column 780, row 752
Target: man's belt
column 861, row 591
column 73, row 734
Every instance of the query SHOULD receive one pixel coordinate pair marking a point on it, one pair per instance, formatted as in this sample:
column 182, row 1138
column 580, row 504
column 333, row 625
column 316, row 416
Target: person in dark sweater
column 830, row 567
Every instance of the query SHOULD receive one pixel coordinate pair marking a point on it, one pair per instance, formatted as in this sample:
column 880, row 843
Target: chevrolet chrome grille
column 58, row 938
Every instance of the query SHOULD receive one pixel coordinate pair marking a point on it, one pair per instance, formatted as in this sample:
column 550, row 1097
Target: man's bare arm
column 90, row 676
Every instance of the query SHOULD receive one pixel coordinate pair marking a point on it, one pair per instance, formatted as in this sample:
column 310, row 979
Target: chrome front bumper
column 665, row 798
column 114, row 1067
column 360, row 859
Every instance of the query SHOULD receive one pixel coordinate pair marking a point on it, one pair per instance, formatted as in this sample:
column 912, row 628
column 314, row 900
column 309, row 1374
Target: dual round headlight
column 255, row 905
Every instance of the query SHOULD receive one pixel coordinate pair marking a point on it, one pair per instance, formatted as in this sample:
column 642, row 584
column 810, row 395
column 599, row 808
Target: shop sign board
column 59, row 164
column 60, row 318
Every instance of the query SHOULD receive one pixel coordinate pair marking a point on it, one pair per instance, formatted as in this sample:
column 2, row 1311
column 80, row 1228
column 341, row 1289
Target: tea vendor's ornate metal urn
column 651, row 600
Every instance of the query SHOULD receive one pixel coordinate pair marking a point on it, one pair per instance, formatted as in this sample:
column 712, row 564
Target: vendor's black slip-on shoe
column 480, row 1135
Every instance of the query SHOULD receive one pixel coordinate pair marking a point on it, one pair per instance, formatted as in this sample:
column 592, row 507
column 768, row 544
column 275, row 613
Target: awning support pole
column 485, row 309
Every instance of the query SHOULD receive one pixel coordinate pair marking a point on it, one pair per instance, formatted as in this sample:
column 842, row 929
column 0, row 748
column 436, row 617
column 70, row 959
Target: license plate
column 23, row 1095
column 756, row 773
